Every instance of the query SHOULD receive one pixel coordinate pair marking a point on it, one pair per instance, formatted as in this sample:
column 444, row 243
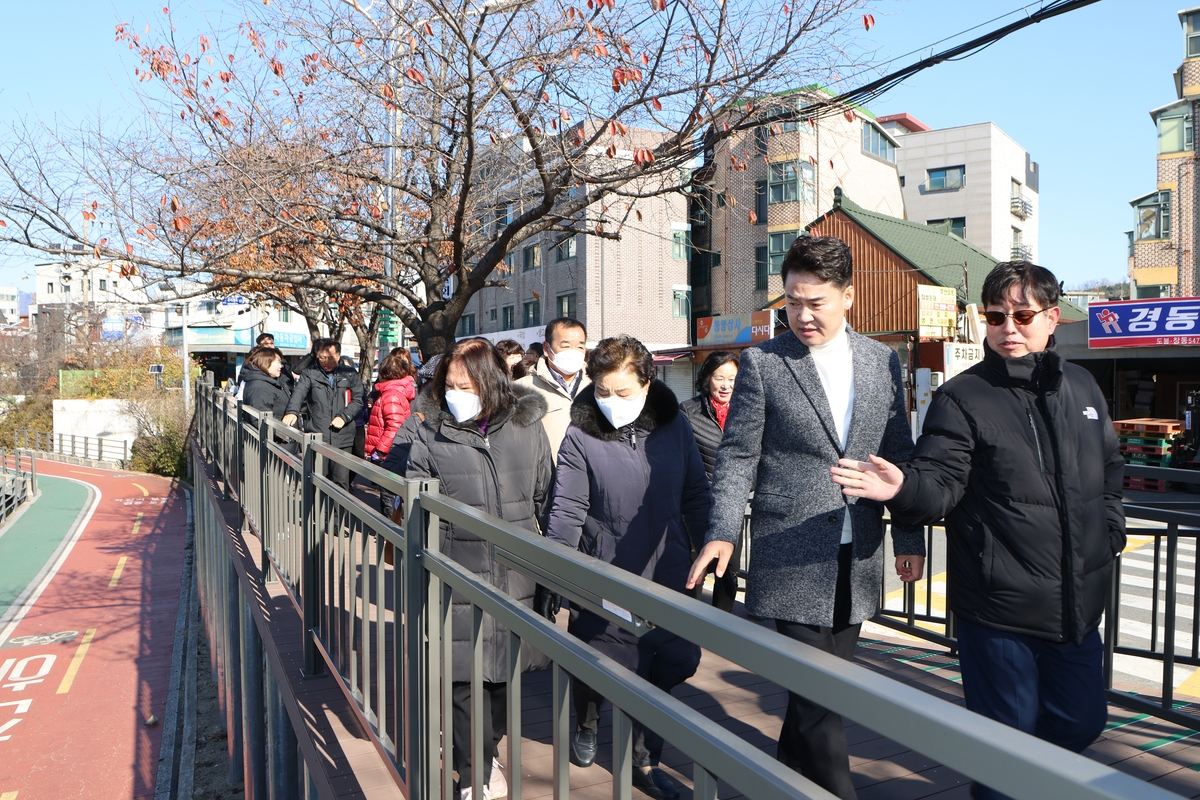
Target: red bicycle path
column 80, row 706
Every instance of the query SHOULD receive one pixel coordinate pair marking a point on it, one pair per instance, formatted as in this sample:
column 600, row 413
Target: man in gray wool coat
column 806, row 398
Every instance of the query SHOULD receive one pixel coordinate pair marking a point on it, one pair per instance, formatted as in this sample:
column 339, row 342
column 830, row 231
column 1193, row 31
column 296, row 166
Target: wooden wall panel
column 885, row 285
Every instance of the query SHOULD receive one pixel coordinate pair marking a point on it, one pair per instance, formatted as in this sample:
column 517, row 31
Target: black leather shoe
column 644, row 780
column 665, row 783
column 583, row 748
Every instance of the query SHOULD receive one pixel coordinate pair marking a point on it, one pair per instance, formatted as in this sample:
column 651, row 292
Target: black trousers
column 725, row 588
column 813, row 739
column 338, row 473
column 495, row 725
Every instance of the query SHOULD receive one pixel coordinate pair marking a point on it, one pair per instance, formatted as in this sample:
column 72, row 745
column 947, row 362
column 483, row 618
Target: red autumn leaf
column 753, row 218
column 277, row 68
column 645, row 60
column 601, row 50
column 95, row 205
column 3, row 224
column 428, row 29
column 224, row 203
column 868, row 21
column 566, row 117
column 387, row 91
column 104, row 241
column 129, row 249
column 654, row 101
column 414, row 75
column 575, row 54
column 849, row 116
column 545, row 97
column 627, row 49
column 175, row 204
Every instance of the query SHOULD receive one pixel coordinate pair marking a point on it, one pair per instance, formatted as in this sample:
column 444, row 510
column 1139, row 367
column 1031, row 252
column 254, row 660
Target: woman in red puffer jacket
column 390, row 403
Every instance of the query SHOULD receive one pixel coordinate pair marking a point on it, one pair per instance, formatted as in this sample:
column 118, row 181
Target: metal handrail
column 92, row 448
column 349, row 601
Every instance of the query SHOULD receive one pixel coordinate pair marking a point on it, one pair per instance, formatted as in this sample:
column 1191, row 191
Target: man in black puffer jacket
column 1020, row 457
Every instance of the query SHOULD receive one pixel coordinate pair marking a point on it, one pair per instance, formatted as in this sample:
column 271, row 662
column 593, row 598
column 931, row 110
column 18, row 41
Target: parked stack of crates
column 1147, row 443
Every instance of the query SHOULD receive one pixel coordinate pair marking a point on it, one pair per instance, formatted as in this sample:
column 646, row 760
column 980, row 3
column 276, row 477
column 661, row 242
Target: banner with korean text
column 1161, row 322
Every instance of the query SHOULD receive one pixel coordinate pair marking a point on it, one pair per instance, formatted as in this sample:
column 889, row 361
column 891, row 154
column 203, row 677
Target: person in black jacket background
column 265, row 388
column 707, row 412
column 1019, row 455
column 330, row 393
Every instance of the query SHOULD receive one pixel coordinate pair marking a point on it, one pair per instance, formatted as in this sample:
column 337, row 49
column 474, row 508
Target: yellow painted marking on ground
column 112, row 584
column 81, row 472
column 137, row 523
column 1137, row 542
column 8, row 796
column 145, row 491
column 76, row 663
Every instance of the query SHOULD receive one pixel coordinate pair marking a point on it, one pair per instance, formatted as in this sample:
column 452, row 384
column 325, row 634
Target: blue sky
column 1074, row 91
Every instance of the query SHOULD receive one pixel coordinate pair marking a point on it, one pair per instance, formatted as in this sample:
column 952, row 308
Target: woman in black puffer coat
column 706, row 411
column 264, row 388
column 630, row 491
column 483, row 439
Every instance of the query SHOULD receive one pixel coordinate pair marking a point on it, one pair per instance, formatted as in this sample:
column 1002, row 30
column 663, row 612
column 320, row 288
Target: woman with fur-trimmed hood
column 630, row 490
column 482, row 438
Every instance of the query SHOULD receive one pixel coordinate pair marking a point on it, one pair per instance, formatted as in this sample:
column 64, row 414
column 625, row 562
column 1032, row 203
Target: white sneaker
column 465, row 794
column 498, row 786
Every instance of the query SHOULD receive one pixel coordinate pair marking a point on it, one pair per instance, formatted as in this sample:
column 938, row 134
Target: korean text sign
column 1144, row 323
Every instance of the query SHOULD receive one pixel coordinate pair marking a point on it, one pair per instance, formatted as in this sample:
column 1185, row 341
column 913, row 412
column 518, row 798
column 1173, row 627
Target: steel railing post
column 282, row 765
column 254, row 751
column 264, row 533
column 311, row 570
column 1168, row 680
column 233, row 666
column 420, row 699
column 1112, row 607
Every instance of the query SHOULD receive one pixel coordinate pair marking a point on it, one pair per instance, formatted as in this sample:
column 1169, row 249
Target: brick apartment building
column 762, row 186
column 637, row 284
column 1163, row 245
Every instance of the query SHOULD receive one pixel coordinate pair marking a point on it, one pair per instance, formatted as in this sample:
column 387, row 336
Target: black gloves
column 546, row 603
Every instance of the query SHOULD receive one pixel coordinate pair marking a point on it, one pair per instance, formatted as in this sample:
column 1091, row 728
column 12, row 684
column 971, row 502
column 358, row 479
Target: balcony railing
column 1021, row 208
column 1021, row 252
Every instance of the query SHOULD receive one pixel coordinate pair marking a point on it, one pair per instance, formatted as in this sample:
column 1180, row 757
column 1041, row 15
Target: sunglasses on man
column 1022, row 317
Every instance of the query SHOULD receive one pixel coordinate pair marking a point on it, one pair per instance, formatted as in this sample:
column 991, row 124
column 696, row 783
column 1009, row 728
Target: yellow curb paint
column 145, row 491
column 116, row 576
column 76, row 663
column 8, row 796
column 137, row 523
column 81, row 472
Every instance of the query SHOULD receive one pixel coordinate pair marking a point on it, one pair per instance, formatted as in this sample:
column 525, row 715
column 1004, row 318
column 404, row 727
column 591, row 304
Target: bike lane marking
column 87, row 690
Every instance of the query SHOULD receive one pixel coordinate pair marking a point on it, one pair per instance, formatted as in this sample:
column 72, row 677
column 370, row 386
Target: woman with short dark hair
column 264, row 387
column 483, row 440
column 513, row 355
column 630, row 491
column 707, row 412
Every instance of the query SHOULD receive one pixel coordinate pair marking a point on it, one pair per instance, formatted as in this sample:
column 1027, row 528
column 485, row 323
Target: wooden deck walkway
column 746, row 704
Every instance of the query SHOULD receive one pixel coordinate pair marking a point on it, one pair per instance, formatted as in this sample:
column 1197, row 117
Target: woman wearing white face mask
column 630, row 490
column 482, row 438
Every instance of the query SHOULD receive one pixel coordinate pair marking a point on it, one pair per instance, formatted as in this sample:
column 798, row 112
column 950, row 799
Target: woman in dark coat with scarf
column 630, row 491
column 482, row 438
column 707, row 411
column 264, row 387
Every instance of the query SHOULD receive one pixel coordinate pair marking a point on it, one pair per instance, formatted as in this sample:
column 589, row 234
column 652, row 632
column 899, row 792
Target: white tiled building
column 973, row 177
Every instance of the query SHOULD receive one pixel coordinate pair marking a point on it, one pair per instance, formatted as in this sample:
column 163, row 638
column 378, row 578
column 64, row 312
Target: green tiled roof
column 933, row 251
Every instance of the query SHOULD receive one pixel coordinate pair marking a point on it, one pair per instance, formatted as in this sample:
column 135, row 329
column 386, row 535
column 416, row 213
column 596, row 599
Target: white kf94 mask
column 620, row 411
column 463, row 405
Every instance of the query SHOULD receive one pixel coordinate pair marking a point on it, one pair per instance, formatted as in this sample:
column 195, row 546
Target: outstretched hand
column 713, row 551
column 876, row 479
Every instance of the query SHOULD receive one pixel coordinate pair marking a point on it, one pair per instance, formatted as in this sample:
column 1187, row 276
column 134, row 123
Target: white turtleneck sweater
column 835, row 366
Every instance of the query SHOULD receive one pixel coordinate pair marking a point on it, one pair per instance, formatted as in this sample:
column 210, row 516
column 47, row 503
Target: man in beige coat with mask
column 558, row 375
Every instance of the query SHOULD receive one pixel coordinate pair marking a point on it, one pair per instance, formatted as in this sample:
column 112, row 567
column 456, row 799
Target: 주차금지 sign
column 1160, row 322
column 937, row 311
column 738, row 329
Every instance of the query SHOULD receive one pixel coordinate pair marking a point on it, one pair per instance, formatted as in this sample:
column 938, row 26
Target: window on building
column 958, row 225
column 566, row 305
column 285, row 315
column 103, row 285
column 946, row 178
column 209, row 307
column 492, row 315
column 532, row 314
column 681, row 303
column 1017, row 189
column 565, row 249
column 760, row 140
column 50, row 288
column 1017, row 234
column 1153, row 216
column 1129, row 235
column 760, row 202
column 761, row 268
column 503, row 218
column 1192, row 27
column 901, row 181
column 466, row 325
column 777, row 247
column 790, row 181
column 510, row 318
column 877, row 143
column 720, row 199
column 510, row 263
column 531, row 258
column 681, row 245
column 1175, row 131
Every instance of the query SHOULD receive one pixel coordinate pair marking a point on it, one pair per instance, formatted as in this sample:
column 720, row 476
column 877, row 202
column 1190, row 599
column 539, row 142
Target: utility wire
column 869, row 91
